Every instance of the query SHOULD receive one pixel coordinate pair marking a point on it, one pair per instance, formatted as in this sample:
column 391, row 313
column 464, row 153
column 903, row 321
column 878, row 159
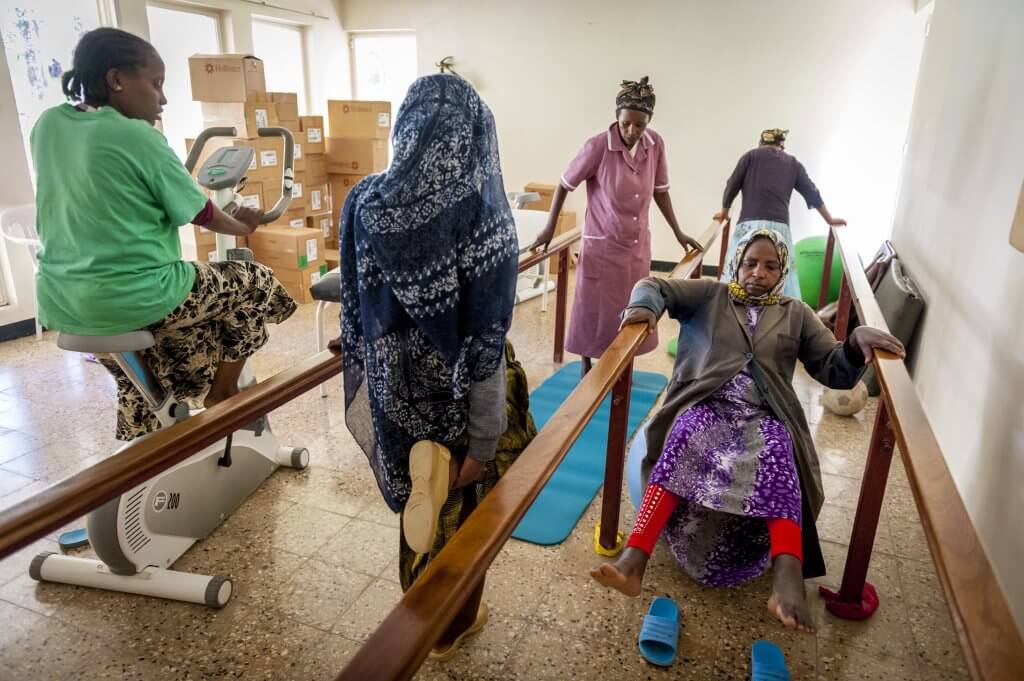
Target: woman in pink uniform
column 624, row 167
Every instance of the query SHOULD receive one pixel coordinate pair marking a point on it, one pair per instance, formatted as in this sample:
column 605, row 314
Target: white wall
column 840, row 74
column 328, row 78
column 16, row 189
column 964, row 165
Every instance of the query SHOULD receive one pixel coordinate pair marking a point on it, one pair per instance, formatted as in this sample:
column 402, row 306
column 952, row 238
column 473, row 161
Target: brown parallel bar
column 826, row 269
column 561, row 305
column 615, row 458
column 723, row 254
column 869, row 507
column 59, row 504
column 843, row 309
column 991, row 642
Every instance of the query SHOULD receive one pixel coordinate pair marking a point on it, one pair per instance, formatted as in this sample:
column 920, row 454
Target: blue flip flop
column 659, row 633
column 767, row 663
column 73, row 539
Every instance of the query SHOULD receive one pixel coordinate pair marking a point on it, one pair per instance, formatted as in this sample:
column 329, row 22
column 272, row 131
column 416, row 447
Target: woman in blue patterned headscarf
column 428, row 268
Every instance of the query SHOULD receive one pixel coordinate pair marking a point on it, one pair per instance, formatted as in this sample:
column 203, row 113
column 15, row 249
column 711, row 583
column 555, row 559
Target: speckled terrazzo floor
column 313, row 557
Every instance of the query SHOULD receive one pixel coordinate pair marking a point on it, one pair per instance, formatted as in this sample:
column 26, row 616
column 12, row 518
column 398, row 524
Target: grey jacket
column 714, row 345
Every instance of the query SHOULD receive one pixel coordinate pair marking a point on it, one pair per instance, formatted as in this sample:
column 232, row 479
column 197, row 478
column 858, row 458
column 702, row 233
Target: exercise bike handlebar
column 287, row 178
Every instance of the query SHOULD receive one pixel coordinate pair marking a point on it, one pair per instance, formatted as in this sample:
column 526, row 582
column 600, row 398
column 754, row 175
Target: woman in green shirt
column 110, row 197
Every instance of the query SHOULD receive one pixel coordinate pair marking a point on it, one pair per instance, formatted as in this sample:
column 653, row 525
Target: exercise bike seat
column 133, row 341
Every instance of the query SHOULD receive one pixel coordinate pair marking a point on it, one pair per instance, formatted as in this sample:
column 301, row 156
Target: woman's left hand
column 868, row 340
column 470, row 471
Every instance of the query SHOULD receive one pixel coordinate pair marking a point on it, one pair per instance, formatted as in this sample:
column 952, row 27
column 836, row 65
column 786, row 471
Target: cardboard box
column 298, row 282
column 351, row 156
column 272, row 192
column 286, row 247
column 268, row 164
column 359, row 119
column 316, row 169
column 287, row 105
column 245, row 117
column 227, row 78
column 252, row 195
column 313, row 134
column 341, row 185
column 318, row 198
column 333, row 258
column 326, row 225
column 298, row 157
column 547, row 193
column 292, row 220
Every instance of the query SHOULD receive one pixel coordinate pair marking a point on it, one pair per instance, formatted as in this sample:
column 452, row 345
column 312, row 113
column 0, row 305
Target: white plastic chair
column 18, row 225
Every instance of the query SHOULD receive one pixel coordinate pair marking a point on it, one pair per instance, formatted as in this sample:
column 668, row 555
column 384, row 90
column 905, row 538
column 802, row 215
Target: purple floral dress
column 732, row 464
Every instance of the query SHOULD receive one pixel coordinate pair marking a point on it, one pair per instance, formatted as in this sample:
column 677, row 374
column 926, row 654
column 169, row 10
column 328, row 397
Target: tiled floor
column 313, row 557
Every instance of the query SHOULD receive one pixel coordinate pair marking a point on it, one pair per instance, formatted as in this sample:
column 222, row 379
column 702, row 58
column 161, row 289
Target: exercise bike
column 139, row 535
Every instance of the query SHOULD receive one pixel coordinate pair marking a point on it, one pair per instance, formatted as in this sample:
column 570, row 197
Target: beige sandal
column 429, row 469
column 478, row 624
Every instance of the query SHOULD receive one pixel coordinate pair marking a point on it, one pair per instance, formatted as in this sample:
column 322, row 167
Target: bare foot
column 626, row 574
column 788, row 601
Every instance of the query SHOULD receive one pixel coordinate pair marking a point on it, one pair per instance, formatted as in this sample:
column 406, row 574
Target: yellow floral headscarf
column 737, row 292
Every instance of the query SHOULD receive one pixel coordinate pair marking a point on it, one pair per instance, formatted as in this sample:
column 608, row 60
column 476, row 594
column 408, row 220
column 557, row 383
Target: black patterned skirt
column 223, row 319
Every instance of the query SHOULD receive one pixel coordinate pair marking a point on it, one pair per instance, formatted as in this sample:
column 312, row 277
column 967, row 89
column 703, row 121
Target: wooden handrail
column 64, row 501
column 402, row 641
column 992, row 644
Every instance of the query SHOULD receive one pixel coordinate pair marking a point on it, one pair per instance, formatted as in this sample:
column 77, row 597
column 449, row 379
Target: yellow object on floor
column 602, row 551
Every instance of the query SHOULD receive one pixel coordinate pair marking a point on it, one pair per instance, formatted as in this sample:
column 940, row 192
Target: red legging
column 659, row 503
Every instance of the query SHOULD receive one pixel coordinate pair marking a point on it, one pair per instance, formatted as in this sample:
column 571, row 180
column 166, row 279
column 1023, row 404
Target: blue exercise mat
column 563, row 500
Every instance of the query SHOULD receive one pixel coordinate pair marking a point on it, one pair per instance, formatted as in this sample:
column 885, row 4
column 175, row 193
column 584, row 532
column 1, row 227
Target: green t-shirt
column 110, row 196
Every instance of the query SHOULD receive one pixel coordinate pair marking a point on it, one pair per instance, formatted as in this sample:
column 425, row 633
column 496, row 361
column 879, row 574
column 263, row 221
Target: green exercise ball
column 673, row 346
column 809, row 254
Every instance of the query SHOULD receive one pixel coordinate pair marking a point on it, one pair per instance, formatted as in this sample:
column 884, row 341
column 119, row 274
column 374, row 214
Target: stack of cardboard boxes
column 232, row 90
column 357, row 147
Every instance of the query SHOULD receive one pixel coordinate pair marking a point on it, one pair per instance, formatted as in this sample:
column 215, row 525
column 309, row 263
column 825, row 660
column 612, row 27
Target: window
column 282, row 49
column 177, row 33
column 383, row 66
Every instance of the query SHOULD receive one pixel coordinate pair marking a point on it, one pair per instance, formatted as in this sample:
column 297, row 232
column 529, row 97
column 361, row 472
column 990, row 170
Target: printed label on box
column 383, row 120
column 325, row 227
column 268, row 157
column 314, row 136
column 252, row 201
column 314, row 199
column 311, row 254
column 211, row 256
column 261, row 118
column 297, row 190
column 298, row 151
column 316, row 278
column 252, row 163
column 297, row 223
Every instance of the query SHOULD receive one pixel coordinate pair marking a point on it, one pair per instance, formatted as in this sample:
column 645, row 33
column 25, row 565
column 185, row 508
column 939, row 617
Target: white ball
column 845, row 402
